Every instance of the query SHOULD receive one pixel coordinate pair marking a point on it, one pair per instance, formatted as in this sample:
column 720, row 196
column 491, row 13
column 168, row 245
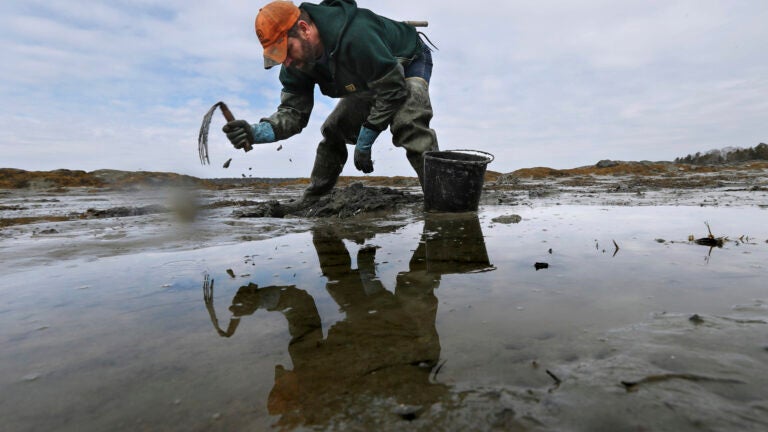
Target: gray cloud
column 124, row 85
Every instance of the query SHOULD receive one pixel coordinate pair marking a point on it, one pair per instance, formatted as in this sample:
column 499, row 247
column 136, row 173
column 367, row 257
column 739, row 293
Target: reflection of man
column 385, row 348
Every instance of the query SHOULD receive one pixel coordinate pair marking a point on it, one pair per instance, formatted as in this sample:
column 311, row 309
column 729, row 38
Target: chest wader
column 340, row 128
column 410, row 126
column 410, row 129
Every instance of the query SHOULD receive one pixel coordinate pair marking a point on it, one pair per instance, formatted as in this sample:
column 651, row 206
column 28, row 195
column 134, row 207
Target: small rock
column 508, row 219
column 49, row 231
column 696, row 319
column 541, row 265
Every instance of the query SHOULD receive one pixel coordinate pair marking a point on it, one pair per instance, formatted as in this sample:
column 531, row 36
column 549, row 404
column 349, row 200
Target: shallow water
column 441, row 323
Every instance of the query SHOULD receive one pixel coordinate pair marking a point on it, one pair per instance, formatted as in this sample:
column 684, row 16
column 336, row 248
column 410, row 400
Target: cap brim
column 276, row 53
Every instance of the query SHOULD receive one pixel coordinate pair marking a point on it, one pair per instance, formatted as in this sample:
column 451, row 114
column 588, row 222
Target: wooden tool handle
column 417, row 23
column 230, row 117
column 227, row 113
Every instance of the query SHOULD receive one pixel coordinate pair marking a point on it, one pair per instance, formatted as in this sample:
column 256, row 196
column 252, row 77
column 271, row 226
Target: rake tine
column 202, row 139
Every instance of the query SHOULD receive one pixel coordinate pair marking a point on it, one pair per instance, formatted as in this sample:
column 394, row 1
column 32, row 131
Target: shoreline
column 13, row 178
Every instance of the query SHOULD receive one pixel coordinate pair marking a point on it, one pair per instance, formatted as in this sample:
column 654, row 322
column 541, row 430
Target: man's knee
column 344, row 122
column 410, row 126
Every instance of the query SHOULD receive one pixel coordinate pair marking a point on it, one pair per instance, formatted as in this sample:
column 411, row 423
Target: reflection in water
column 386, row 349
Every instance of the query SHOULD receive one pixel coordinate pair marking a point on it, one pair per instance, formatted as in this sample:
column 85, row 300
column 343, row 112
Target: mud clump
column 124, row 212
column 508, row 219
column 341, row 203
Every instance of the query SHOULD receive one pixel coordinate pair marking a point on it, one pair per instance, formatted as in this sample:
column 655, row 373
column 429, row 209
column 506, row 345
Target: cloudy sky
column 123, row 84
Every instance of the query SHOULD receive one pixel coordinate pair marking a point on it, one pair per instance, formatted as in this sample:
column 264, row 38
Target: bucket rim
column 490, row 157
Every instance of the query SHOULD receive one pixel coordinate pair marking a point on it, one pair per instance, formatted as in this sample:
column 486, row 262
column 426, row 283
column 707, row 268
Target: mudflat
column 623, row 297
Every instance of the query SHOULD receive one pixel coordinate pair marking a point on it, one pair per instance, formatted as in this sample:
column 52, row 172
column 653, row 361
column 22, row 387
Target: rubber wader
column 410, row 130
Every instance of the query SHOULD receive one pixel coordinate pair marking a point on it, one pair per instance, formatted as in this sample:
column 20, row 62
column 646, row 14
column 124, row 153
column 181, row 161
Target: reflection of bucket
column 454, row 243
column 453, row 179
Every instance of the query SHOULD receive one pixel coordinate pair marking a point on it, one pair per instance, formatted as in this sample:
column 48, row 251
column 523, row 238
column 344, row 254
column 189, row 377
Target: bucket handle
column 476, row 151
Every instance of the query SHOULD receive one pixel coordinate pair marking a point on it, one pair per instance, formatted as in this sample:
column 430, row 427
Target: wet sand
column 389, row 322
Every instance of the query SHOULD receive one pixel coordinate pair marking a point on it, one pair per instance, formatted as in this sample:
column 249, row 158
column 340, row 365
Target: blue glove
column 365, row 140
column 239, row 132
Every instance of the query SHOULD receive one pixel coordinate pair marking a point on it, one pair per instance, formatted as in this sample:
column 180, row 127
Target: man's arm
column 387, row 83
column 291, row 117
column 292, row 114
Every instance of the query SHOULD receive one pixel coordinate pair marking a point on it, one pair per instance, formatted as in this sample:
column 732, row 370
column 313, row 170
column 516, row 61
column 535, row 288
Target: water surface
column 439, row 322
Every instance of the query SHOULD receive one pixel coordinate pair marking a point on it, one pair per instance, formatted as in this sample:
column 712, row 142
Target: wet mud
column 341, row 203
column 614, row 183
column 562, row 304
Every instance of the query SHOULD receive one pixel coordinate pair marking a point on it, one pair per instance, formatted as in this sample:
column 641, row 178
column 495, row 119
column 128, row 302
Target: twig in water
column 710, row 240
column 554, row 377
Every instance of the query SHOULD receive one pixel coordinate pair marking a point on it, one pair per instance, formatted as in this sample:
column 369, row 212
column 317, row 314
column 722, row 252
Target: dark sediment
column 124, row 211
column 342, row 203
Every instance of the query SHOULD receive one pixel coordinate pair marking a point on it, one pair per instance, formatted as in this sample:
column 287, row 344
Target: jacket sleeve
column 389, row 94
column 292, row 114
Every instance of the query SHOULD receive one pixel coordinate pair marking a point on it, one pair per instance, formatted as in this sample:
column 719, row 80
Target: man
column 379, row 68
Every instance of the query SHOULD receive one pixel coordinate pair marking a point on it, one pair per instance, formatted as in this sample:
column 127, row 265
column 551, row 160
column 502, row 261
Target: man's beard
column 307, row 63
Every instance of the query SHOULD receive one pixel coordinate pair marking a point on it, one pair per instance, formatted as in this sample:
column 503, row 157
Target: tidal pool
column 442, row 322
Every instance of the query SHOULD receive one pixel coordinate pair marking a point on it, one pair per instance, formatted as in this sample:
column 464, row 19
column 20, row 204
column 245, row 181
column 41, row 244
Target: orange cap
column 272, row 25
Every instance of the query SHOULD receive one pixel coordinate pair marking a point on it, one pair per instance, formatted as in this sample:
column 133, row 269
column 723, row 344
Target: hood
column 331, row 18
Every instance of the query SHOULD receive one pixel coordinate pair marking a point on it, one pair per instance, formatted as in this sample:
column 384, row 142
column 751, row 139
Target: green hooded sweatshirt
column 365, row 53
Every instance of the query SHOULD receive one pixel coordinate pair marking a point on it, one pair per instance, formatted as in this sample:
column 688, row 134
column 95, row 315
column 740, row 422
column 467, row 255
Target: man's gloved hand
column 239, row 132
column 365, row 140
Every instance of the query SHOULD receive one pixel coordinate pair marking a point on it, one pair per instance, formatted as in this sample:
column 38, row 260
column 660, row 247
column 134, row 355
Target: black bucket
column 453, row 179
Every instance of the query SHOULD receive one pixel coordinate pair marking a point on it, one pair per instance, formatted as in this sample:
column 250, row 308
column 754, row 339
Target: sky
column 124, row 84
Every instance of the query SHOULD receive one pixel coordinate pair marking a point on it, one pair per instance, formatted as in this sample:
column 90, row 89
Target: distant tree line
column 726, row 155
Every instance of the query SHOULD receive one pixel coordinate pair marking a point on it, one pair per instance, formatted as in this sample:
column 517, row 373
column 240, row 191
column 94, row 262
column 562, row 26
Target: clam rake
column 202, row 139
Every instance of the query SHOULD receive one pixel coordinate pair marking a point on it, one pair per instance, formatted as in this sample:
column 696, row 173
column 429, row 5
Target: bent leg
column 341, row 127
column 410, row 126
